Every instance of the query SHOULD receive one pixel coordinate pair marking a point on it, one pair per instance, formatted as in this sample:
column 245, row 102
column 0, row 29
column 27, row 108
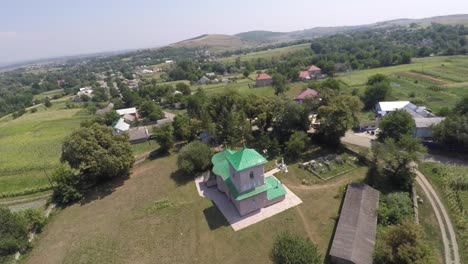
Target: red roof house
column 263, row 79
column 304, row 75
column 314, row 71
column 306, row 93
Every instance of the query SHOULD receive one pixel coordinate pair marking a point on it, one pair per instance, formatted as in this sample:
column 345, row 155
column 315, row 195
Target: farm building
column 263, row 79
column 382, row 108
column 424, row 126
column 355, row 234
column 240, row 175
column 128, row 111
column 307, row 93
column 120, row 127
column 138, row 135
column 314, row 71
column 304, row 76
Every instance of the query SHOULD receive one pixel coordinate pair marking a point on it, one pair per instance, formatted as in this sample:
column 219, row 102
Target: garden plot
column 330, row 166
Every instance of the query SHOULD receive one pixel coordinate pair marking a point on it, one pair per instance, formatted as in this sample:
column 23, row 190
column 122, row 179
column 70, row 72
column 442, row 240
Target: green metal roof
column 276, row 189
column 221, row 156
column 272, row 186
column 245, row 158
column 222, row 169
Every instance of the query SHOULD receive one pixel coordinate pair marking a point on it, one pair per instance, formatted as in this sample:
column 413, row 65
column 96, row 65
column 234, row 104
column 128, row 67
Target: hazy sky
column 31, row 29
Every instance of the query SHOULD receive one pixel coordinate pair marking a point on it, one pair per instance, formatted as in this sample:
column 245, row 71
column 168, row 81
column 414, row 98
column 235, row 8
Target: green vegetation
column 293, row 249
column 165, row 137
column 31, row 146
column 396, row 124
column 267, row 54
column 194, row 157
column 394, row 208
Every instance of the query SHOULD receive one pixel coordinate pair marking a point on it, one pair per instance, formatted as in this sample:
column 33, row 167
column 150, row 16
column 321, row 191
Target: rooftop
column 138, row 133
column 304, row 75
column 313, row 68
column 272, row 186
column 121, row 125
column 126, row 111
column 307, row 93
column 245, row 158
column 427, row 122
column 357, row 226
column 263, row 76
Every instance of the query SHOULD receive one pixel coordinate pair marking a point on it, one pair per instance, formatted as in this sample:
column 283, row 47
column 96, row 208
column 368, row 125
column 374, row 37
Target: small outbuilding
column 138, row 135
column 307, row 93
column 263, row 79
column 424, row 126
column 355, row 234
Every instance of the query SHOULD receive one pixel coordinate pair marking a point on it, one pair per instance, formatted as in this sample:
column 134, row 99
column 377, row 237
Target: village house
column 120, row 127
column 314, row 72
column 307, row 93
column 304, row 76
column 138, row 135
column 241, row 176
column 128, row 111
column 84, row 91
column 424, row 126
column 356, row 230
column 263, row 79
column 203, row 80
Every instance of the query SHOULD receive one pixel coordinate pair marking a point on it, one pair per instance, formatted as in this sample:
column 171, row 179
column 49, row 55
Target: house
column 203, row 80
column 240, row 175
column 263, row 79
column 210, row 74
column 129, row 118
column 382, row 108
column 314, row 71
column 146, row 71
column 424, row 126
column 120, row 127
column 355, row 233
column 307, row 93
column 304, row 76
column 138, row 135
column 131, row 111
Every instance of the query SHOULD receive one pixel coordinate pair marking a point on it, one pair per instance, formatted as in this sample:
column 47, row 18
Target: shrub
column 66, row 186
column 292, row 249
column 13, row 232
column 194, row 157
column 35, row 219
column 33, row 110
column 394, row 207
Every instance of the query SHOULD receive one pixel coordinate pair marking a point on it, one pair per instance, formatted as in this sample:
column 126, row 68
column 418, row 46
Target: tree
column 396, row 124
column 462, row 106
column 331, row 84
column 395, row 160
column 47, row 102
column 296, row 144
column 194, row 157
column 165, row 137
column 292, row 249
column 181, row 127
column 375, row 92
column 183, row 88
column 394, row 208
column 279, row 83
column 97, row 153
column 66, row 186
column 246, row 73
column 151, row 111
column 403, row 244
column 290, row 117
column 453, row 131
column 340, row 115
column 35, row 219
column 13, row 232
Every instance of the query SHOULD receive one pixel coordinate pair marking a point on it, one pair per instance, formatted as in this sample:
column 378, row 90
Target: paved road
column 445, row 224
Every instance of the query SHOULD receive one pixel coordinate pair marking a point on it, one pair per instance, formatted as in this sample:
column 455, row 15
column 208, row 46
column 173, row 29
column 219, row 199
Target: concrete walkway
column 236, row 221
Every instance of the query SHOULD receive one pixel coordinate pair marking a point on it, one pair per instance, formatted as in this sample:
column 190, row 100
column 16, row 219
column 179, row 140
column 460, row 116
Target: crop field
column 151, row 216
column 267, row 54
column 434, row 82
column 30, row 145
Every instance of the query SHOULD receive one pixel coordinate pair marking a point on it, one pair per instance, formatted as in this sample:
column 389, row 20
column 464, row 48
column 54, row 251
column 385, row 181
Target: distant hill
column 261, row 37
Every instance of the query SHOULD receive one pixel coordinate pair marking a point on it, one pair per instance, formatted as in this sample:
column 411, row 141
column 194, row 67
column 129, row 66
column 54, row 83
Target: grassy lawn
column 48, row 93
column 437, row 181
column 32, row 143
column 267, row 54
column 156, row 216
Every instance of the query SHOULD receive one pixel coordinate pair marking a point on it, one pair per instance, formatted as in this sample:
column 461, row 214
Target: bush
column 292, row 249
column 35, row 219
column 33, row 110
column 296, row 144
column 13, row 232
column 394, row 207
column 165, row 137
column 194, row 157
column 66, row 186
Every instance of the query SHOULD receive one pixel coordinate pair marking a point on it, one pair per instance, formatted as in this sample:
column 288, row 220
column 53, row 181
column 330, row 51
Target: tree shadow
column 181, row 178
column 101, row 190
column 214, row 218
column 157, row 154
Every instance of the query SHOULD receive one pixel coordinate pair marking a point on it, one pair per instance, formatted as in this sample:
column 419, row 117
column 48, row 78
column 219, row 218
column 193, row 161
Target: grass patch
column 158, row 205
column 267, row 54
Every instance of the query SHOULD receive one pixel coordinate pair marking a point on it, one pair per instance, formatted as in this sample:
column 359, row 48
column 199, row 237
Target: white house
column 120, row 127
column 382, row 108
column 131, row 111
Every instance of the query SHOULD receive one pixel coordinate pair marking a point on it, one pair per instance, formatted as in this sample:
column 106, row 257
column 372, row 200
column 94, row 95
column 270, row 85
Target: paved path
column 445, row 224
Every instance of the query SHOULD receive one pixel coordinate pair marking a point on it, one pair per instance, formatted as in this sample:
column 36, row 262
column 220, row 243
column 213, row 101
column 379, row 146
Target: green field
column 32, row 143
column 156, row 216
column 416, row 81
column 267, row 54
column 51, row 93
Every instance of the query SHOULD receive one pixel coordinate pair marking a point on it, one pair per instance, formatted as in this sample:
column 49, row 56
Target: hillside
column 249, row 39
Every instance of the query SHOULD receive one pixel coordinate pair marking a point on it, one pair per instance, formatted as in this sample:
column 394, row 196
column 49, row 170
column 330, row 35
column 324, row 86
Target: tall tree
column 165, row 137
column 279, row 83
column 396, row 124
column 97, row 153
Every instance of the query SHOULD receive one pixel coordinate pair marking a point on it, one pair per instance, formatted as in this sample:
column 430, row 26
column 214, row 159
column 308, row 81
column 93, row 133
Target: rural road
column 445, row 224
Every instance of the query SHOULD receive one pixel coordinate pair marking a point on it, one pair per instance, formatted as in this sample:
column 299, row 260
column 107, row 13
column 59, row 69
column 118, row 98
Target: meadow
column 434, row 82
column 156, row 216
column 30, row 145
column 266, row 54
